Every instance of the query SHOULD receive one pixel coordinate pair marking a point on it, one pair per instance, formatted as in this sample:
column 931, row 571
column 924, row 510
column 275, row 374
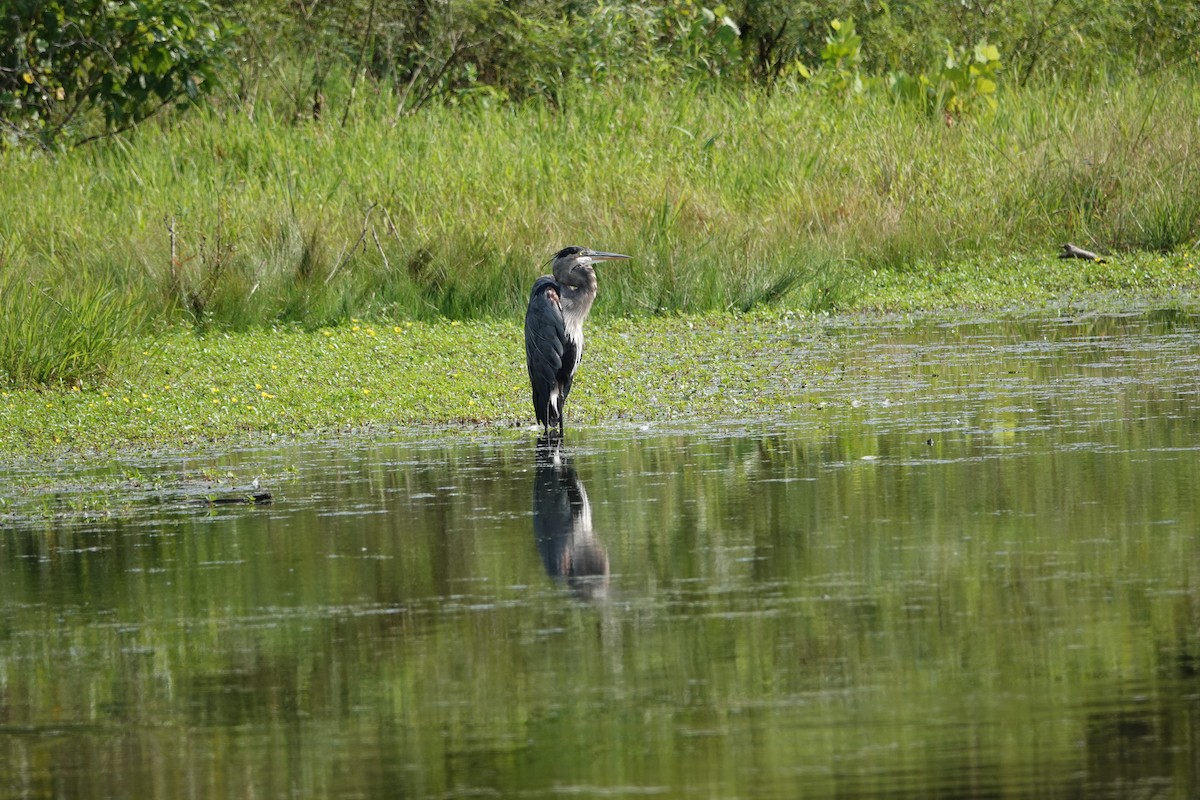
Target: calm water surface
column 965, row 565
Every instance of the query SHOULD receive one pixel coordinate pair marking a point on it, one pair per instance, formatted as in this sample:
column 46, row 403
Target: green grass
column 727, row 199
column 252, row 232
column 55, row 334
column 177, row 389
column 1012, row 282
column 181, row 390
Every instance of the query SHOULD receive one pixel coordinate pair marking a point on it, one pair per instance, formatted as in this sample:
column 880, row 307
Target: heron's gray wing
column 545, row 337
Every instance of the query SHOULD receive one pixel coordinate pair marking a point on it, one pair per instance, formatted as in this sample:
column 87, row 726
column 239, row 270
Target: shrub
column 80, row 69
column 1041, row 38
column 964, row 82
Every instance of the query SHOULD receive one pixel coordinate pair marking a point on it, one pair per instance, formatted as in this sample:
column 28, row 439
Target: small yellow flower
column 215, row 390
column 268, row 396
column 258, row 386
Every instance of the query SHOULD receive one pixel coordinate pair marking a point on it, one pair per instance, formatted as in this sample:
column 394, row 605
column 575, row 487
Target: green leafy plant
column 965, row 84
column 968, row 80
column 77, row 70
column 702, row 38
column 841, row 59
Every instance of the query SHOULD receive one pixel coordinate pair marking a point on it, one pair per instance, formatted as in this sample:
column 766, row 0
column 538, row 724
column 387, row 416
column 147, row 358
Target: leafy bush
column 80, row 69
column 71, row 70
column 963, row 83
column 416, row 52
column 1041, row 38
column 840, row 61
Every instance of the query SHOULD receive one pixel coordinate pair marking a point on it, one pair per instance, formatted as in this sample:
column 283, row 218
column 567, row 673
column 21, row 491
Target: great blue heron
column 558, row 306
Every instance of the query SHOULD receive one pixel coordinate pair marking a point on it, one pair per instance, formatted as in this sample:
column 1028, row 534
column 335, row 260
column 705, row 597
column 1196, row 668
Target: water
column 964, row 565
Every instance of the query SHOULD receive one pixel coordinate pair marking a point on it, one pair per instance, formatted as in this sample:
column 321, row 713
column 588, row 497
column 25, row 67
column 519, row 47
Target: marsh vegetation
column 355, row 164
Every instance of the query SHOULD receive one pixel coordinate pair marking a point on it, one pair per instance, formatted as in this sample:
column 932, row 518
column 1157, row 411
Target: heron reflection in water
column 562, row 525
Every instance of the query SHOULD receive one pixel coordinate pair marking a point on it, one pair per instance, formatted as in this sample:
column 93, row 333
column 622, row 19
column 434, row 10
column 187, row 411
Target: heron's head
column 573, row 265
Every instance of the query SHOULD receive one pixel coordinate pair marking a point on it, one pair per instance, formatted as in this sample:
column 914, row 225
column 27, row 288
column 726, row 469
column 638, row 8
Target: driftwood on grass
column 1071, row 251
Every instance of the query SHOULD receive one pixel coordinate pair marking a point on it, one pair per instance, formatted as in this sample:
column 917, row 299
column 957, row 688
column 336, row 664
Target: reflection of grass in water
column 872, row 626
column 107, row 494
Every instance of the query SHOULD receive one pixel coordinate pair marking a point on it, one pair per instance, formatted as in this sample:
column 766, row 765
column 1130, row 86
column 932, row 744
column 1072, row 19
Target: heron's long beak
column 606, row 256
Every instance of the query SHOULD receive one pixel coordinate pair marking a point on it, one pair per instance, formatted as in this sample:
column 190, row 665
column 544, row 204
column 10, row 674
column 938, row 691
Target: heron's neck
column 578, row 292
